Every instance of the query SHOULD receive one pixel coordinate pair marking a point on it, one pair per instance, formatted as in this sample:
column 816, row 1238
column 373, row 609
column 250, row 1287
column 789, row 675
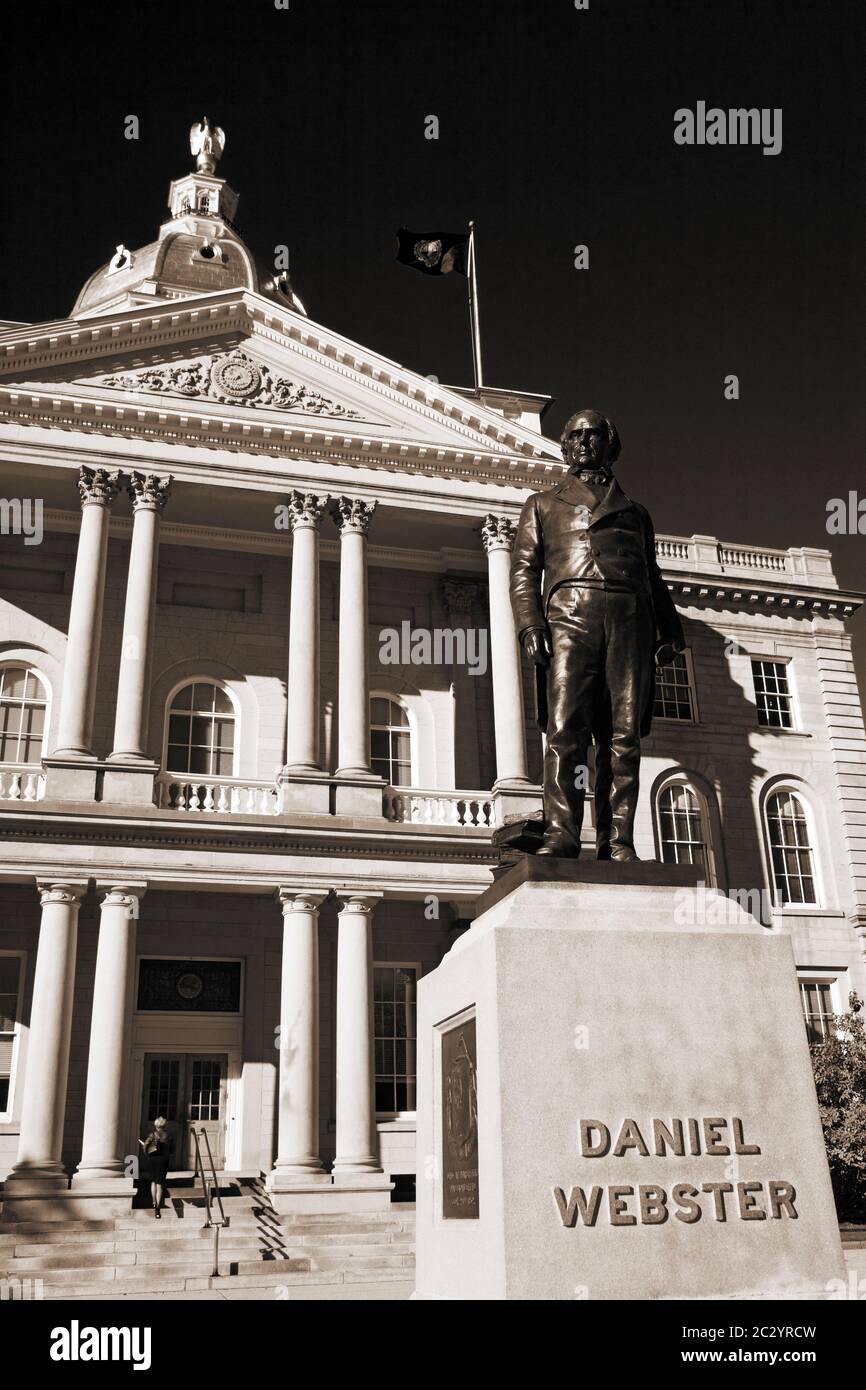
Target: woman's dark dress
column 157, row 1162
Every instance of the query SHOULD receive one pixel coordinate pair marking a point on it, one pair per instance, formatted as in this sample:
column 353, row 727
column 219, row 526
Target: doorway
column 189, row 1089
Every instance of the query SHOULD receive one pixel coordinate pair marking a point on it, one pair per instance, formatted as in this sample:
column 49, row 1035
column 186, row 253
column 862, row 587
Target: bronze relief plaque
column 460, row 1123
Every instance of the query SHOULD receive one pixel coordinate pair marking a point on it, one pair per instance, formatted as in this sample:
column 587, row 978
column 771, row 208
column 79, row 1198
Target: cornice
column 192, row 320
column 156, row 831
column 791, row 600
column 171, row 422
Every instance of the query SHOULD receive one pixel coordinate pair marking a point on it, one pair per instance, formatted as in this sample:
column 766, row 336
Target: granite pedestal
column 615, row 1098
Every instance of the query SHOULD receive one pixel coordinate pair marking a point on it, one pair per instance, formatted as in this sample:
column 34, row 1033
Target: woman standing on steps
column 157, row 1148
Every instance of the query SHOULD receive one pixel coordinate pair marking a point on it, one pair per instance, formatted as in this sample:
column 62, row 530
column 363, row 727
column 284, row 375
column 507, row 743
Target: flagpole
column 473, row 311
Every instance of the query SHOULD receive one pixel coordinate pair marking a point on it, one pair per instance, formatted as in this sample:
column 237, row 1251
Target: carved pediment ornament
column 235, row 379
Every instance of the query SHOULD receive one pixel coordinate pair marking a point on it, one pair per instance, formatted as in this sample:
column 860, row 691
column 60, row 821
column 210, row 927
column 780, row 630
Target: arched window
column 201, row 731
column 390, row 742
column 683, row 834
column 23, row 706
column 790, row 849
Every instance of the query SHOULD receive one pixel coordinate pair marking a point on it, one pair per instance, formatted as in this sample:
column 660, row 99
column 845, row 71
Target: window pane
column 790, row 851
column 14, row 682
column 394, row 1020
column 199, row 761
column 178, row 729
column 673, row 697
column 681, row 827
column 183, row 698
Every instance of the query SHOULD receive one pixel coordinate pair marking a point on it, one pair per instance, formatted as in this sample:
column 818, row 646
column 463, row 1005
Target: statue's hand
column 666, row 652
column 536, row 644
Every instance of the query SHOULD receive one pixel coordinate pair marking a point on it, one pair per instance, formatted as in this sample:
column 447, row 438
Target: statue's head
column 590, row 443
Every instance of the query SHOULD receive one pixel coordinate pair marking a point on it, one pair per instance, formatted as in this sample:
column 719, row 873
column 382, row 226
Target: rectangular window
column 675, row 690
column 395, row 1037
column 189, row 986
column 773, row 694
column 816, row 996
column 10, row 1012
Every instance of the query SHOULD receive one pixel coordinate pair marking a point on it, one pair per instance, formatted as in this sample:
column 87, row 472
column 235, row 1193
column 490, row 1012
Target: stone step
column 382, row 1230
column 141, row 1249
column 47, row 1227
column 329, row 1260
column 367, row 1218
column 263, row 1280
column 339, row 1239
column 174, row 1272
column 243, row 1250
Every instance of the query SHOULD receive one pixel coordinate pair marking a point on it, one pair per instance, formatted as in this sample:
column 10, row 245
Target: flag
column 434, row 253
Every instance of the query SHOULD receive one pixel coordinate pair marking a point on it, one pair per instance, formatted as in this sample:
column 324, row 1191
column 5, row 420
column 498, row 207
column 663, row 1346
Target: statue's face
column 586, row 443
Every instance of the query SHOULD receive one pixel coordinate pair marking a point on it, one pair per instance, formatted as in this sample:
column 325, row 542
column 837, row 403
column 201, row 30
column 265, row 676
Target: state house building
column 233, row 837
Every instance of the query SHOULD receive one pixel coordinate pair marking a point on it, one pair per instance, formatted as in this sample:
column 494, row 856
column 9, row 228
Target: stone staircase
column 135, row 1255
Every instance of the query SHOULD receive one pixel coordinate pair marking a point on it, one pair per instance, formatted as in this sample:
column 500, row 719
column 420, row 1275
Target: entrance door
column 189, row 1089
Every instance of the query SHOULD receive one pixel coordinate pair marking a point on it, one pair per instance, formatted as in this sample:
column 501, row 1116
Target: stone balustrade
column 707, row 555
column 21, row 782
column 217, row 795
column 410, row 805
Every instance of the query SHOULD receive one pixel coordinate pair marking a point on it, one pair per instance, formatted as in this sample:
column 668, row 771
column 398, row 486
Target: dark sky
column 556, row 128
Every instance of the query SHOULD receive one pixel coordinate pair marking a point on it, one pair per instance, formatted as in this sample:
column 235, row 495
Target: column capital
column 149, row 492
column 306, row 509
column 65, row 891
column 359, row 901
column 498, row 532
column 300, row 899
column 352, row 515
column 123, row 894
column 97, row 486
column 459, row 595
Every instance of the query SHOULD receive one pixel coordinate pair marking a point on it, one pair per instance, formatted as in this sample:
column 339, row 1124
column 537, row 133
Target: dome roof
column 198, row 251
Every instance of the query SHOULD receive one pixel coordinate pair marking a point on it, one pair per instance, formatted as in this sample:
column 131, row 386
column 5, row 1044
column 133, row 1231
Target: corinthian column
column 41, row 1138
column 352, row 517
column 298, row 1162
column 302, row 735
column 98, row 490
column 149, row 495
column 356, row 1144
column 102, row 1149
column 498, row 534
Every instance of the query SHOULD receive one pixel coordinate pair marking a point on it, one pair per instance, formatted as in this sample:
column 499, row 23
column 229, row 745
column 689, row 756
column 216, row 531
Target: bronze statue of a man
column 590, row 603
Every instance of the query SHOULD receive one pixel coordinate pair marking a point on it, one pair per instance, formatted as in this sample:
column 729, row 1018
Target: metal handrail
column 209, row 1220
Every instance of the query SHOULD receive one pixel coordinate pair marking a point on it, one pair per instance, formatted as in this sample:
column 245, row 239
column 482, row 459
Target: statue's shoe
column 623, row 854
column 558, row 847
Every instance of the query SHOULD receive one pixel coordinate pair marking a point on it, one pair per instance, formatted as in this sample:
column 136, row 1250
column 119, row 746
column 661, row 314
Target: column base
column 304, row 790
column 515, row 799
column 93, row 1202
column 71, row 779
column 350, row 1193
column 358, row 794
column 129, row 781
column 297, row 1179
column 86, row 1177
column 42, row 1179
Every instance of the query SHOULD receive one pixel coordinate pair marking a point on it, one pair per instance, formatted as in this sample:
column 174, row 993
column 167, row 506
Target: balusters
column 21, row 784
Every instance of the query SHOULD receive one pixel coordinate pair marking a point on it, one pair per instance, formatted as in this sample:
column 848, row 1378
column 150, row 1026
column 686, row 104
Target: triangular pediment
column 261, row 376
column 238, row 377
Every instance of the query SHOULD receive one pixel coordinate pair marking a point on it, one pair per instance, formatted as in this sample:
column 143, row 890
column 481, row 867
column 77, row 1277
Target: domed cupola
column 199, row 250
